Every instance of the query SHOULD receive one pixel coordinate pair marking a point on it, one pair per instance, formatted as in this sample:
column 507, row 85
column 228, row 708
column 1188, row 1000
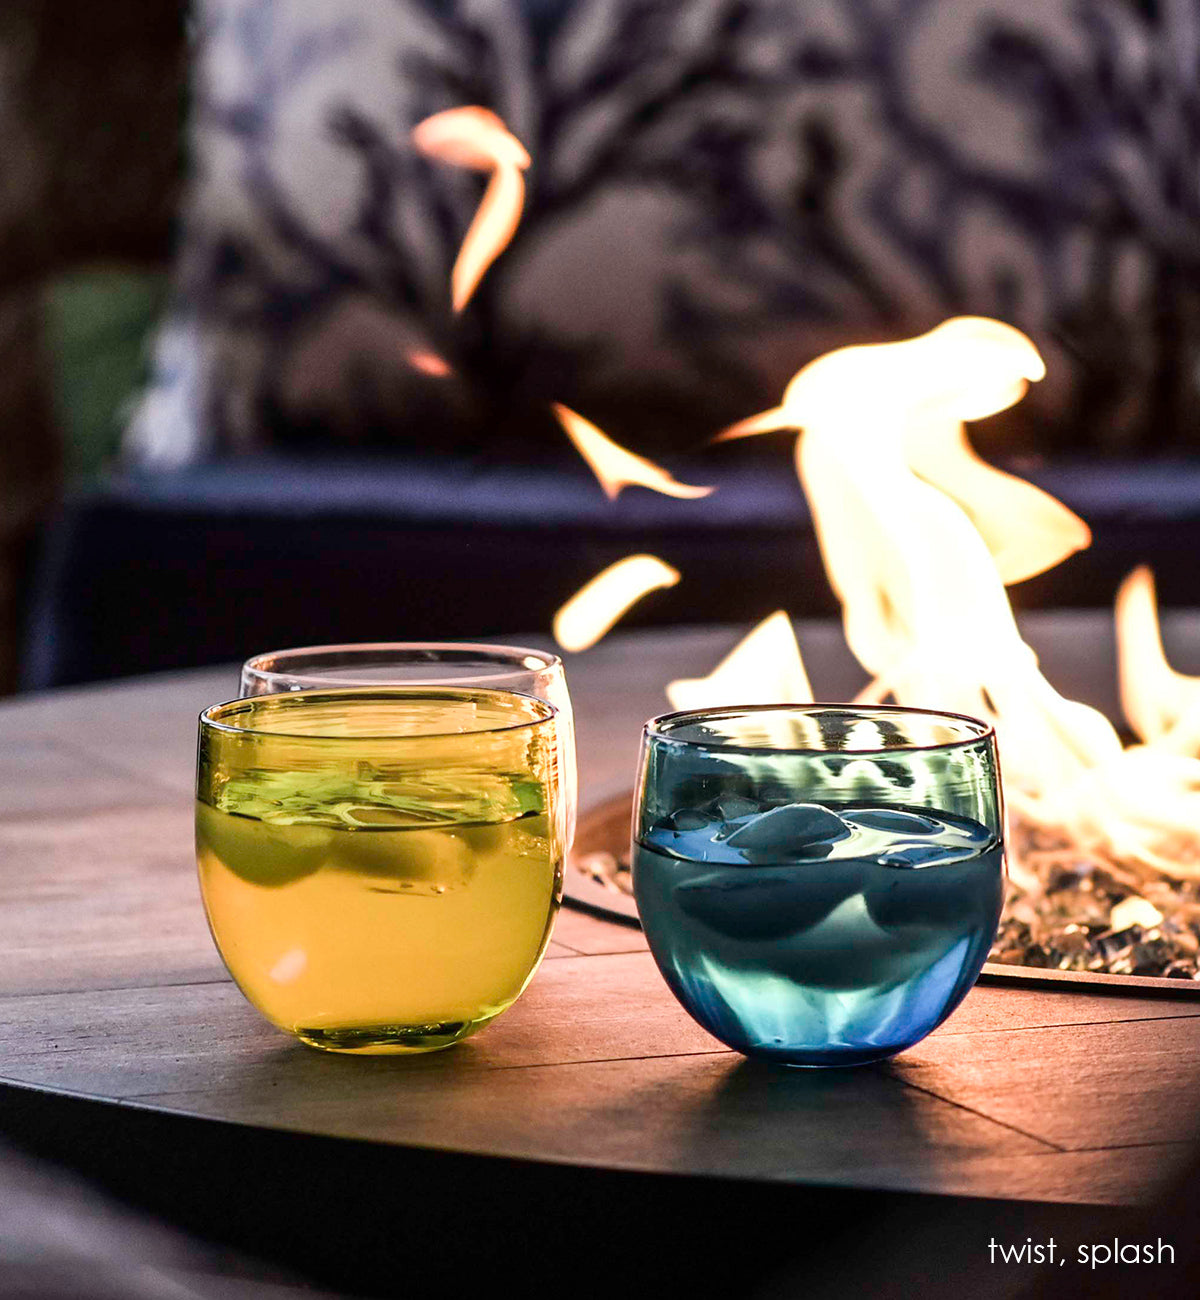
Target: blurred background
column 242, row 413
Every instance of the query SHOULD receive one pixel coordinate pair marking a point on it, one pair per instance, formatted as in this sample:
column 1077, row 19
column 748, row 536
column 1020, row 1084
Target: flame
column 967, row 368
column 765, row 667
column 429, row 363
column 475, row 137
column 1162, row 705
column 919, row 538
column 1048, row 532
column 615, row 467
column 598, row 604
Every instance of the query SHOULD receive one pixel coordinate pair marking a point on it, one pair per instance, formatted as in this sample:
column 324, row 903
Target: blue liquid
column 815, row 942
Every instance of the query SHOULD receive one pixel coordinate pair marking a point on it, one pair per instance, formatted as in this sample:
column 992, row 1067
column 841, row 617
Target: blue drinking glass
column 819, row 884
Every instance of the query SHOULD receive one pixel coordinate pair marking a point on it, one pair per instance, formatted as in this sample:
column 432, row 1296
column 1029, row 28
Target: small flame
column 765, row 667
column 615, row 467
column 598, row 604
column 475, row 137
column 1162, row 705
column 429, row 363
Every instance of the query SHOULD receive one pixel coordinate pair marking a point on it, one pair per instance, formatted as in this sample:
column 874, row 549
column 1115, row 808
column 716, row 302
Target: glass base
column 815, row 1059
column 393, row 1040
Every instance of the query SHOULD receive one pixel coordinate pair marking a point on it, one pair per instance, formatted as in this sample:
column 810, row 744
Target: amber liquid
column 383, row 939
column 372, row 908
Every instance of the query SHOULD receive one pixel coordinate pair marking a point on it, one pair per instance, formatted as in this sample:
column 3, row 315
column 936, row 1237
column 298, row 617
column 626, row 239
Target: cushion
column 720, row 190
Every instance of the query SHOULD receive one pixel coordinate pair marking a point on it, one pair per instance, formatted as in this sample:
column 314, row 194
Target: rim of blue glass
column 211, row 717
column 657, row 729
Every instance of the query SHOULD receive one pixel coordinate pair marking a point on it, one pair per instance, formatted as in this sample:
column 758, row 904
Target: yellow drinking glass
column 381, row 867
column 424, row 663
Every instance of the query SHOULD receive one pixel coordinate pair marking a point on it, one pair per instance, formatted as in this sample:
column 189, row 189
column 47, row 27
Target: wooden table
column 111, row 990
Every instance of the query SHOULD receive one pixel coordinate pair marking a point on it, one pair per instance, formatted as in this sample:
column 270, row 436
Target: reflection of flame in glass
column 290, row 966
column 598, row 604
column 475, row 137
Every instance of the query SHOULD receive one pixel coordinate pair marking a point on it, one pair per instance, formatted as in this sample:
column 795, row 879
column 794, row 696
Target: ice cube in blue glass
column 789, row 832
column 897, row 821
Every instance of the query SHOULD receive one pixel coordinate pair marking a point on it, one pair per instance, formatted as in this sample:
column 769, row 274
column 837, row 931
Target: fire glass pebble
column 1067, row 922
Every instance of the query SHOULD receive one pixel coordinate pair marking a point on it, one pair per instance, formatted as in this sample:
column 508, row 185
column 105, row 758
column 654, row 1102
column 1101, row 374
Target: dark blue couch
column 217, row 561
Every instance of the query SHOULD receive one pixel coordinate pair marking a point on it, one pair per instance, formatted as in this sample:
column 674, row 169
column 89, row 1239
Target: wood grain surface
column 110, row 988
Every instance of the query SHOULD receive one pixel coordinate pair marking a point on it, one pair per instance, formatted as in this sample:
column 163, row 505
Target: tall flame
column 919, row 538
column 475, row 137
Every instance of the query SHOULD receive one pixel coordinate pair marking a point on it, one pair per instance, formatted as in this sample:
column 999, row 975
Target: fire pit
column 1065, row 935
column 920, row 539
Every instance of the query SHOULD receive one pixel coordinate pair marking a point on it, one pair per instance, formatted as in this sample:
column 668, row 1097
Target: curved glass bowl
column 381, row 868
column 425, row 663
column 819, row 884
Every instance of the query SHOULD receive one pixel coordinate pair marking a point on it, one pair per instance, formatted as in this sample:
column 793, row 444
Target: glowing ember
column 475, row 137
column 764, row 668
column 597, row 605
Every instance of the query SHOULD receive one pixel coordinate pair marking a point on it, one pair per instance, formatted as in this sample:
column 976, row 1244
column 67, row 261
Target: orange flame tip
column 616, row 468
column 475, row 137
column 771, row 421
column 469, row 136
column 429, row 363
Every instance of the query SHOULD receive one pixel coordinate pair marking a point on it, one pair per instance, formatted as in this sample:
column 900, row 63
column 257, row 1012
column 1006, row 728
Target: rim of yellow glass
column 497, row 663
column 659, row 729
column 212, row 718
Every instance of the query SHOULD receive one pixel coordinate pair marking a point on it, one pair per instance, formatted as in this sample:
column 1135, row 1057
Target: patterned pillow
column 720, row 190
